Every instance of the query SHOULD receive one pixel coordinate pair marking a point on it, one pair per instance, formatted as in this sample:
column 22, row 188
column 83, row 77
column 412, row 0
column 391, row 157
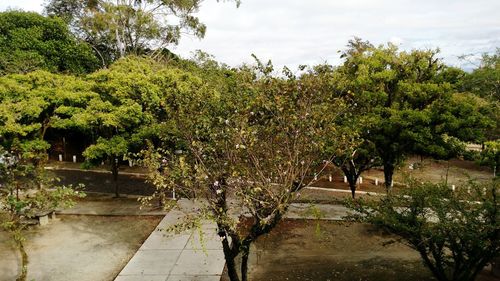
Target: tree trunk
column 244, row 263
column 388, row 173
column 114, row 171
column 352, row 179
column 229, row 257
column 353, row 189
column 24, row 261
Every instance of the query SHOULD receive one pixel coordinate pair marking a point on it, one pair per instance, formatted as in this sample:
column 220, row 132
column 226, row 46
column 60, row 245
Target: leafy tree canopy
column 29, row 41
column 455, row 232
column 408, row 103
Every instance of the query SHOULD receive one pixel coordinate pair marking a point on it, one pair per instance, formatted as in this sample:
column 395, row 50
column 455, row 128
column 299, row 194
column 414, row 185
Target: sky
column 295, row 32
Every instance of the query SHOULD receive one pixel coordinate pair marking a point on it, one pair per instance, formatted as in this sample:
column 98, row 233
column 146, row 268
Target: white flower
column 218, row 191
column 216, row 183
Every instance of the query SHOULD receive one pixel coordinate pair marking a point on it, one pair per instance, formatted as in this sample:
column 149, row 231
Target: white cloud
column 293, row 32
column 27, row 5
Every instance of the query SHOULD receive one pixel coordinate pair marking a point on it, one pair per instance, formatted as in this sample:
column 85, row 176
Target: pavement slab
column 194, row 255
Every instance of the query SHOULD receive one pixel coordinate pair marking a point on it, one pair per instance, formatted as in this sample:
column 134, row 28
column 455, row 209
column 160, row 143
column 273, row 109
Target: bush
column 456, row 233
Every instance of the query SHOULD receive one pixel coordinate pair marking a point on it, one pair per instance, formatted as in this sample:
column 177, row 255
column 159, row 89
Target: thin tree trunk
column 114, row 170
column 388, row 173
column 229, row 257
column 353, row 190
column 24, row 261
column 244, row 263
column 352, row 179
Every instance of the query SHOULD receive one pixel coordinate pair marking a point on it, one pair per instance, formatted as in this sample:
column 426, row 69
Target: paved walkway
column 181, row 257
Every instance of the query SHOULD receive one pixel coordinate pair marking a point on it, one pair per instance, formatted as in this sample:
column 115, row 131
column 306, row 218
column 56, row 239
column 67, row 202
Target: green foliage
column 35, row 102
column 29, row 41
column 106, row 148
column 456, row 232
column 490, row 155
column 406, row 103
column 485, row 80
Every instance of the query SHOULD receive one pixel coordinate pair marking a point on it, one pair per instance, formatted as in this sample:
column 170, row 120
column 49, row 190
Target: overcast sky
column 293, row 32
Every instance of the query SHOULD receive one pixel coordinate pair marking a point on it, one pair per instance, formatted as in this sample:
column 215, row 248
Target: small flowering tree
column 249, row 146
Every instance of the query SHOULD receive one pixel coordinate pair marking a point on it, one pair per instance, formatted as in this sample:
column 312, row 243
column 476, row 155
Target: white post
column 74, row 158
column 376, row 181
column 130, row 163
column 392, row 183
column 452, row 187
column 60, row 158
column 345, row 179
column 360, row 180
column 173, row 194
column 330, row 178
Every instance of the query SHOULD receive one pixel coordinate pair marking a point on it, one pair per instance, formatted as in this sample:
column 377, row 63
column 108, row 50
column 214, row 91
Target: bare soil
column 454, row 171
column 100, row 181
column 305, row 250
column 78, row 248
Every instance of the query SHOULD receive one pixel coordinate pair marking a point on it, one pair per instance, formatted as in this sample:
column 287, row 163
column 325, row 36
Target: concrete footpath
column 177, row 257
column 186, row 257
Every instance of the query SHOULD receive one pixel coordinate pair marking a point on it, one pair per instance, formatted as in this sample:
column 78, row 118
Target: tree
column 456, row 232
column 131, row 96
column 249, row 146
column 484, row 81
column 118, row 28
column 33, row 103
column 356, row 160
column 490, row 155
column 30, row 41
column 407, row 105
column 352, row 153
column 28, row 108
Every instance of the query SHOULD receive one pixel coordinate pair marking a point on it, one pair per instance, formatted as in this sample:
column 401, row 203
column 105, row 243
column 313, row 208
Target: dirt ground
column 300, row 250
column 426, row 169
column 435, row 171
column 103, row 182
column 78, row 248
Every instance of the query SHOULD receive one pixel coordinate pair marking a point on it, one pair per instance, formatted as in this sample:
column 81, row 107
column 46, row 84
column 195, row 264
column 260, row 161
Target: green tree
column 33, row 103
column 490, row 155
column 456, row 232
column 132, row 96
column 484, row 81
column 30, row 41
column 406, row 104
column 355, row 160
column 118, row 28
column 352, row 153
column 30, row 104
